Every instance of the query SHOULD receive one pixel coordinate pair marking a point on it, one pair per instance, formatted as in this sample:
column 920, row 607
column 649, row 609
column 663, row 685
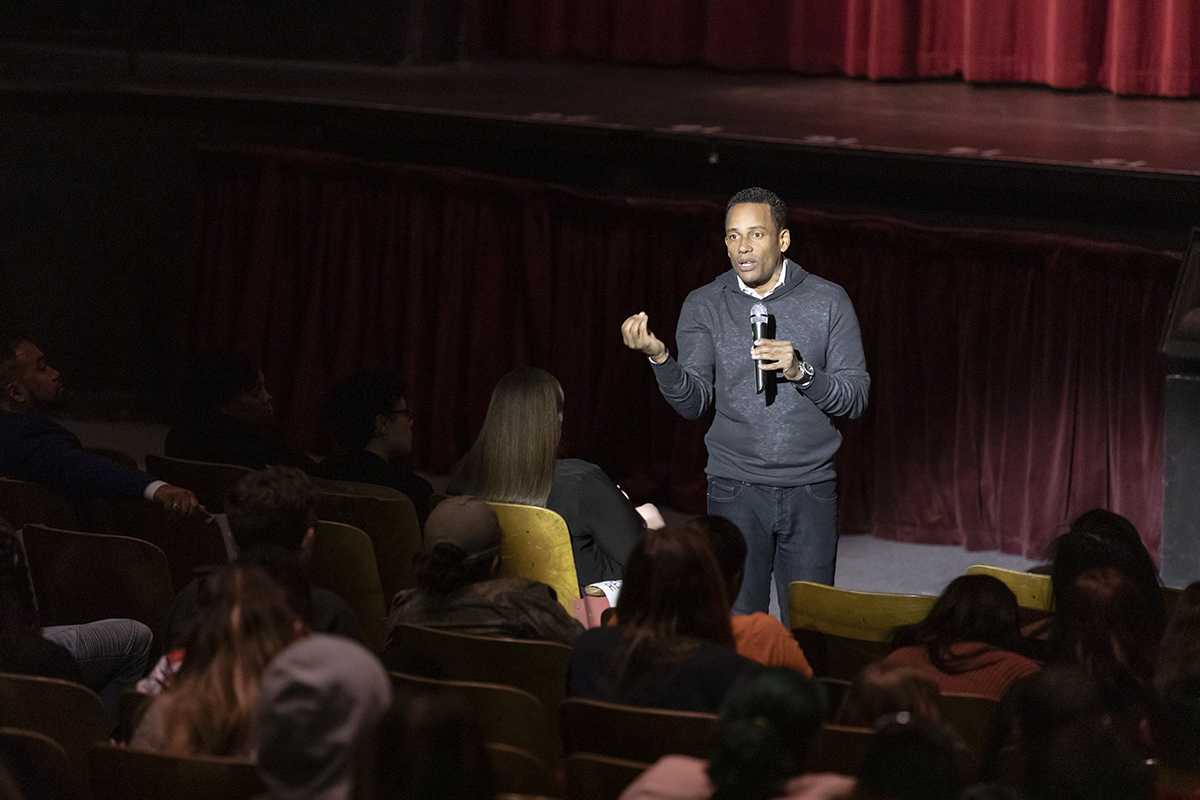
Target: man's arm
column 55, row 457
column 842, row 388
column 686, row 383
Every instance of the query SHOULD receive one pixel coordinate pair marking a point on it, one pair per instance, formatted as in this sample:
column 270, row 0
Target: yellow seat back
column 1033, row 591
column 343, row 561
column 864, row 616
column 537, row 546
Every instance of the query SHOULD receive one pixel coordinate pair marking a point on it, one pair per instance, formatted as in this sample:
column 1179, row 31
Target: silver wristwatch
column 806, row 372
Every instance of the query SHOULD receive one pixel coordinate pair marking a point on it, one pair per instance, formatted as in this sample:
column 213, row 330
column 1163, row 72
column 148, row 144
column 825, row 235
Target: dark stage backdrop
column 1126, row 46
column 1014, row 377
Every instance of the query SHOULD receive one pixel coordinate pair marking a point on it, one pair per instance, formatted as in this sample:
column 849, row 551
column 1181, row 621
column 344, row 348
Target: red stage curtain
column 1147, row 47
column 1015, row 380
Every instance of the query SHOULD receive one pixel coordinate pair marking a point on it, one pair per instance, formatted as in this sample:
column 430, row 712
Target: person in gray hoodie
column 770, row 454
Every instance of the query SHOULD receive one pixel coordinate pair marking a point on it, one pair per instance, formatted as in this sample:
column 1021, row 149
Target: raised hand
column 636, row 333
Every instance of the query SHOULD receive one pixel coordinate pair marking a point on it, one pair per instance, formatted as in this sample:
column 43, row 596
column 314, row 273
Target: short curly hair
column 757, row 194
column 351, row 407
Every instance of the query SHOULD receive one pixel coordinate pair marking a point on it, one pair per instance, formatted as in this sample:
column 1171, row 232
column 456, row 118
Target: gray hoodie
column 791, row 442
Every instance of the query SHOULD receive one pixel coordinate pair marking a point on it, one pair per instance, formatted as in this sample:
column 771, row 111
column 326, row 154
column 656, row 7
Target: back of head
column 462, row 541
column 512, row 459
column 879, row 690
column 431, row 746
column 320, row 703
column 672, row 588
column 729, row 547
column 274, row 507
column 214, row 379
column 972, row 608
column 350, row 410
column 909, row 758
column 243, row 621
column 768, row 725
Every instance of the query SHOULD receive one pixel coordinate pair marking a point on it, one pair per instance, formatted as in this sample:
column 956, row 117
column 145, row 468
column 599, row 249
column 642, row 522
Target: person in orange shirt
column 758, row 636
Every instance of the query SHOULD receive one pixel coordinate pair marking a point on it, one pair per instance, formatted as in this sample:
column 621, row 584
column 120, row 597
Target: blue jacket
column 35, row 448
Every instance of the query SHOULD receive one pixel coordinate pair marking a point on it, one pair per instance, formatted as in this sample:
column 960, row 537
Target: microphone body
column 758, row 327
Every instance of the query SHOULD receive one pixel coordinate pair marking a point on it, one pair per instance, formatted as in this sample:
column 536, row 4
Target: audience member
column 1072, row 744
column 107, row 656
column 970, row 641
column 514, row 460
column 373, row 427
column 230, row 418
column 458, row 587
column 1109, row 610
column 33, row 447
column 1179, row 654
column 673, row 647
column 909, row 758
column 272, row 516
column 208, row 707
column 431, row 747
column 758, row 636
column 769, row 724
column 318, row 715
column 880, row 690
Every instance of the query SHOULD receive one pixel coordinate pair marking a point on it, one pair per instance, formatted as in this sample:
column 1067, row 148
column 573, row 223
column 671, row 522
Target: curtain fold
column 1142, row 47
column 1015, row 381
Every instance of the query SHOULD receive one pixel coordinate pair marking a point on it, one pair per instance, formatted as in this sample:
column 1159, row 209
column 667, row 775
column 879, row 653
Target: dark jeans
column 111, row 654
column 790, row 530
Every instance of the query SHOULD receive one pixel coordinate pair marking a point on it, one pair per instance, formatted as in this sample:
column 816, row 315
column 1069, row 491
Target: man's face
column 754, row 244
column 397, row 429
column 38, row 384
column 253, row 405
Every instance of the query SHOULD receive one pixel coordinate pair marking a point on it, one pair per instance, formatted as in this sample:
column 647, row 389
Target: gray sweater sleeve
column 842, row 387
column 687, row 382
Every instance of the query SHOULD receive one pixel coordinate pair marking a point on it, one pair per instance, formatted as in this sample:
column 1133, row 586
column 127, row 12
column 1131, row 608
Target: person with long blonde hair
column 515, row 460
column 208, row 707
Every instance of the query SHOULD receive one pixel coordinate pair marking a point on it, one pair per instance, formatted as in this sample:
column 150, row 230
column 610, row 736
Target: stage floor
column 944, row 119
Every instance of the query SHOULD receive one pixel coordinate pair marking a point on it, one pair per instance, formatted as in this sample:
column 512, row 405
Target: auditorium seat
column 842, row 631
column 387, row 516
column 24, row 502
column 971, row 716
column 122, row 773
column 537, row 546
column 82, row 577
column 189, row 541
column 506, row 715
column 537, row 667
column 841, row 749
column 69, row 714
column 209, row 481
column 517, row 771
column 635, row 732
column 40, row 765
column 596, row 777
column 343, row 561
column 1033, row 591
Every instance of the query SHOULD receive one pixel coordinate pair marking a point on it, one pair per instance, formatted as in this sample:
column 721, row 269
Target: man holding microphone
column 771, row 452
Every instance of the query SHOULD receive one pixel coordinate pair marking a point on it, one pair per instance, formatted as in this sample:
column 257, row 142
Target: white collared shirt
column 747, row 290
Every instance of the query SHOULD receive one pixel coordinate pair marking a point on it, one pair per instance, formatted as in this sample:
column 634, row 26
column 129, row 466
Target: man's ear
column 310, row 539
column 16, row 393
column 785, row 240
column 381, row 424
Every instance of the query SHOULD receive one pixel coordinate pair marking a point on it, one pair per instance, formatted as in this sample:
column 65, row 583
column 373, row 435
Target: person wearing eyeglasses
column 370, row 421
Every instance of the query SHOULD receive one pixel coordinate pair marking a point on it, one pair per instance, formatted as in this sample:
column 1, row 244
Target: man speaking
column 770, row 451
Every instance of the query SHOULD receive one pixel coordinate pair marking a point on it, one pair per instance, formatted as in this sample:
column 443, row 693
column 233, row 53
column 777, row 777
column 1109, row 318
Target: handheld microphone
column 758, row 325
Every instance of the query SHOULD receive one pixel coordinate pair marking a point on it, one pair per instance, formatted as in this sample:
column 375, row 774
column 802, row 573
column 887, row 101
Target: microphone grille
column 758, row 313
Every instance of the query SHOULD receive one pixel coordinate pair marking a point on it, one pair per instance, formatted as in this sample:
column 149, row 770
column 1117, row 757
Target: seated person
column 373, row 427
column 673, row 646
column 1175, row 728
column 230, row 417
column 758, row 636
column 910, row 758
column 272, row 516
column 880, row 690
column 107, row 656
column 970, row 641
column 458, row 588
column 208, row 707
column 35, row 448
column 515, row 460
column 432, row 746
column 769, row 726
column 319, row 711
